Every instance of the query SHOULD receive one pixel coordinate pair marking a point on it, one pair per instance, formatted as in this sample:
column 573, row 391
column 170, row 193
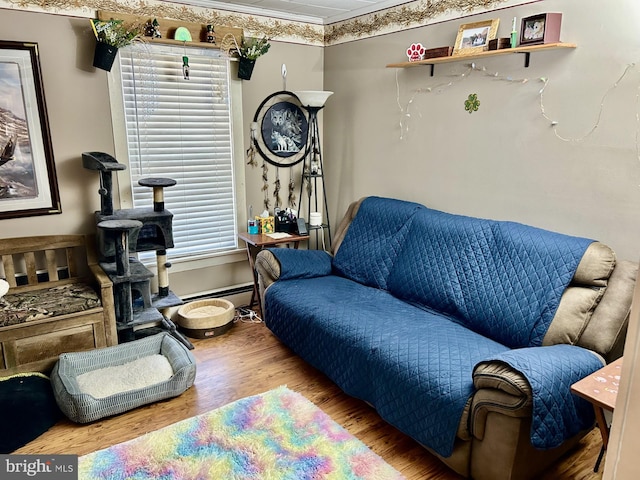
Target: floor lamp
column 312, row 169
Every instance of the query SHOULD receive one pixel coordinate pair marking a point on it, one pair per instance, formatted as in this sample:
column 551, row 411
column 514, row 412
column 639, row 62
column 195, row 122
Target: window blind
column 181, row 129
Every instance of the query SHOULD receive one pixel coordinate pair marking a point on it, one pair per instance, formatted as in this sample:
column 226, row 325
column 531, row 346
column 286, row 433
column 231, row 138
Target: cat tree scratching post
column 155, row 232
column 158, row 185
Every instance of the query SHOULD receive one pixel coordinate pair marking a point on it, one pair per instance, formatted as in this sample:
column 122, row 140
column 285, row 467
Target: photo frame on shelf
column 539, row 29
column 281, row 129
column 474, row 37
column 28, row 182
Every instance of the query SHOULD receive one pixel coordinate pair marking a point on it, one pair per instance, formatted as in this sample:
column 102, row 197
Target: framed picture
column 474, row 37
column 28, row 183
column 281, row 129
column 538, row 29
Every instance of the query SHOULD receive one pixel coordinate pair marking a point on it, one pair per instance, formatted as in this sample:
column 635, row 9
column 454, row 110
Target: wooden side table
column 255, row 243
column 601, row 390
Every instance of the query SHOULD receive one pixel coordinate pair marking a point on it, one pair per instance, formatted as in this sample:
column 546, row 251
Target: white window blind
column 181, row 129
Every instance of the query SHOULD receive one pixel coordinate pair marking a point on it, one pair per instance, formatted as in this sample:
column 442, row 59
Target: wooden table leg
column 604, row 432
column 255, row 294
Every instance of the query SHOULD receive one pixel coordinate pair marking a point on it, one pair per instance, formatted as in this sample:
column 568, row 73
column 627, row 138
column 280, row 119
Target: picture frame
column 540, row 29
column 28, row 181
column 280, row 130
column 474, row 37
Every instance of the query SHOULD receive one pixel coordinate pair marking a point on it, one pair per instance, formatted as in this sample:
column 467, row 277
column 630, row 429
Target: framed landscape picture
column 28, row 182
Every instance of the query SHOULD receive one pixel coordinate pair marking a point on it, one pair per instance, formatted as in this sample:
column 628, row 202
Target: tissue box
column 266, row 224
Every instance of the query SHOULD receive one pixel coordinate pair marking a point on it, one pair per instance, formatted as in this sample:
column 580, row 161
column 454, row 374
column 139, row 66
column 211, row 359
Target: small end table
column 601, row 390
column 259, row 241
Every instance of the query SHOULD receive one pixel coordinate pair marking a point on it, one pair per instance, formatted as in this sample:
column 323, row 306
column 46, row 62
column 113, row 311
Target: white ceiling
column 310, row 11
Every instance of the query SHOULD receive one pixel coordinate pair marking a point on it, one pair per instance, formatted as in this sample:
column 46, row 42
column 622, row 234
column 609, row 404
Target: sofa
column 464, row 333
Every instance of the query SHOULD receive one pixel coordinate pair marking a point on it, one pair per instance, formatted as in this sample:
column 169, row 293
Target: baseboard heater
column 220, row 293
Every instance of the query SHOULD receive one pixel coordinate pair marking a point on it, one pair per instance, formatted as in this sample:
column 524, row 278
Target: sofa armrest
column 499, row 389
column 500, row 376
column 542, row 376
column 268, row 269
column 288, row 263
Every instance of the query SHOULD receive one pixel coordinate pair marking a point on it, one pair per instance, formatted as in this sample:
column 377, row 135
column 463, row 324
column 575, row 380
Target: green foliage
column 115, row 32
column 252, row 48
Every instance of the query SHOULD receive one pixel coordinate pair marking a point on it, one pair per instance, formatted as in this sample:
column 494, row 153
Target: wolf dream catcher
column 279, row 133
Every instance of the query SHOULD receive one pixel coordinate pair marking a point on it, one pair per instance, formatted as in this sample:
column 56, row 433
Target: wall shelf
column 168, row 27
column 526, row 50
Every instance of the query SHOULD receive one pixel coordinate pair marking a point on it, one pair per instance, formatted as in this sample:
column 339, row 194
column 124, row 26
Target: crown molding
column 411, row 15
column 253, row 25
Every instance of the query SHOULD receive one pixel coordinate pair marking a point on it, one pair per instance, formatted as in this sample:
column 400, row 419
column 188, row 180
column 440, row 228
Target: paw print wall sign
column 415, row 52
column 472, row 104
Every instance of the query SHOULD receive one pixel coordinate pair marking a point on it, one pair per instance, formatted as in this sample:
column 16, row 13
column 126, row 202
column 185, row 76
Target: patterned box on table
column 266, row 224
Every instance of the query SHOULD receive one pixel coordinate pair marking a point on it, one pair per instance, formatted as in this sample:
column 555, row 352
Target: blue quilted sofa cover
column 415, row 299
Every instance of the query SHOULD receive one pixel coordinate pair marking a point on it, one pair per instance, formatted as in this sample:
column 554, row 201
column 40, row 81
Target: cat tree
column 125, row 231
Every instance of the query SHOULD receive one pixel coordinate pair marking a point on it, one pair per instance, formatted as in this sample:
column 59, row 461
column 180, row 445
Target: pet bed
column 206, row 318
column 82, row 407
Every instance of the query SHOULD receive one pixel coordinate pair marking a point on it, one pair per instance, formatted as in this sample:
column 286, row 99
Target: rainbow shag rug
column 277, row 435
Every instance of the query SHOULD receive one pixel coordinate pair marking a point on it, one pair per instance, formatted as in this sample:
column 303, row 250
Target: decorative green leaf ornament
column 472, row 103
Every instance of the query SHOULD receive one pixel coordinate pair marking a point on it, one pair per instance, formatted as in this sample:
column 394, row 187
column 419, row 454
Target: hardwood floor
column 249, row 360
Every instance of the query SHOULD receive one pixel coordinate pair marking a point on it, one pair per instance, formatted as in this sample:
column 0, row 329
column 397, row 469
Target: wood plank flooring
column 249, row 360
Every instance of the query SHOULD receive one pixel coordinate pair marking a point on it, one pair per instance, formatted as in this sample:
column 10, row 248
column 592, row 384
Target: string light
column 473, row 68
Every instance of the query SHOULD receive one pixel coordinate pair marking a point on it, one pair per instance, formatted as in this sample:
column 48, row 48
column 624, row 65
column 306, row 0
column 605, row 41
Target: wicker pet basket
column 206, row 318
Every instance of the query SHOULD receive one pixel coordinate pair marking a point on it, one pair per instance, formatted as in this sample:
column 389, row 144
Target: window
column 182, row 129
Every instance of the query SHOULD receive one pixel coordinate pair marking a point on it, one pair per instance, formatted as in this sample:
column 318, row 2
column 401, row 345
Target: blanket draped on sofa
column 485, row 287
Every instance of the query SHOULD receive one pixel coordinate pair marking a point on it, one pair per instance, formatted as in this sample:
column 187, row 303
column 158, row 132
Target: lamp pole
column 312, row 167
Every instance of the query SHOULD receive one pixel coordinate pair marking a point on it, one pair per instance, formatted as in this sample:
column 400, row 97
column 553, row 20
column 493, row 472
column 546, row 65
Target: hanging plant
column 252, row 48
column 248, row 52
column 110, row 36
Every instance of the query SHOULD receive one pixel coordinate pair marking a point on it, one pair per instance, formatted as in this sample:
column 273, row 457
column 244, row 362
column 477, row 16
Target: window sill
column 202, row 261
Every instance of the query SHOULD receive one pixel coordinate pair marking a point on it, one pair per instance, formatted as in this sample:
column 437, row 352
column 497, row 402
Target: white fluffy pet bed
column 91, row 385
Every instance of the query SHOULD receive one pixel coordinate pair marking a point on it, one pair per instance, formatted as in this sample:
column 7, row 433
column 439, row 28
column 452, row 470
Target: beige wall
column 504, row 160
column 621, row 460
column 79, row 115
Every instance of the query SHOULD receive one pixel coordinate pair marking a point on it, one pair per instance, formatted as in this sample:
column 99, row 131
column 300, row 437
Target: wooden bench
column 32, row 337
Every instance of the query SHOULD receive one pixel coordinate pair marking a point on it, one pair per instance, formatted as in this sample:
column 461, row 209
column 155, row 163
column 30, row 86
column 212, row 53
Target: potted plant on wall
column 110, row 36
column 249, row 51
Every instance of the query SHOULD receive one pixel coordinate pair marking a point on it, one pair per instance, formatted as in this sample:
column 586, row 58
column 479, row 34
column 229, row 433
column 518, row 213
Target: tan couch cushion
column 606, row 331
column 596, row 266
column 579, row 302
column 573, row 314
